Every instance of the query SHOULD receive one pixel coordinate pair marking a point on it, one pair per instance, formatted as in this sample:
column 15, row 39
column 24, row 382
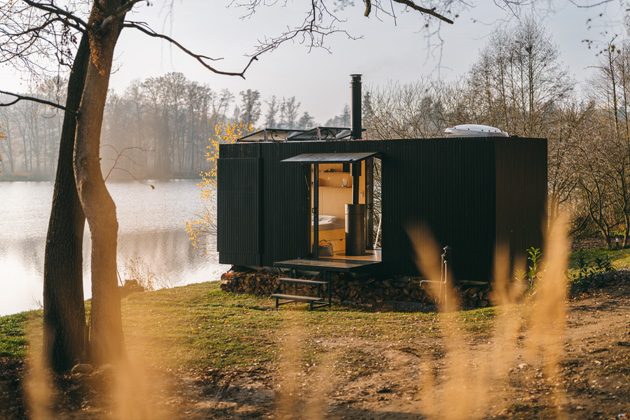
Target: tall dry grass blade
column 130, row 390
column 506, row 294
column 322, row 382
column 457, row 396
column 289, row 366
column 545, row 339
column 38, row 389
column 468, row 385
column 428, row 261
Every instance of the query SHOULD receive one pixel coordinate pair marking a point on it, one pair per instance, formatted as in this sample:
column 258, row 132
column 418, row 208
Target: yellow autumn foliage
column 205, row 223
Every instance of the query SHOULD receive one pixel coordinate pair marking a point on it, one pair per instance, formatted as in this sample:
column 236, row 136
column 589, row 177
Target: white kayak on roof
column 474, row 130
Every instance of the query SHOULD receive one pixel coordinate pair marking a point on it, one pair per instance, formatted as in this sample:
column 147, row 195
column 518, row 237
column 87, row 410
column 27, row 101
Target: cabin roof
column 270, row 134
column 321, row 133
column 285, row 134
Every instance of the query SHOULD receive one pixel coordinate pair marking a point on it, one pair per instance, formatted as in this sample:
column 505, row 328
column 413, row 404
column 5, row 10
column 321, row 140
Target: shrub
column 592, row 274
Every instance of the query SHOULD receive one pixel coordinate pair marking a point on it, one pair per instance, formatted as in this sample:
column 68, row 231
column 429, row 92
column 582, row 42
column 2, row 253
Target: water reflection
column 168, row 255
column 151, row 234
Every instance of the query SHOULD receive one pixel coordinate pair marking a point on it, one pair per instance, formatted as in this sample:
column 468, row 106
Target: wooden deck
column 328, row 264
column 370, row 255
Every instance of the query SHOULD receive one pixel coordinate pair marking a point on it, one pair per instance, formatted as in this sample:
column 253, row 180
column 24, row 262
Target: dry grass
column 469, row 389
column 316, row 356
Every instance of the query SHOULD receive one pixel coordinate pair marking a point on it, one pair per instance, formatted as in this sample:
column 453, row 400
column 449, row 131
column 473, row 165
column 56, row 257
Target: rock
column 107, row 371
column 82, row 369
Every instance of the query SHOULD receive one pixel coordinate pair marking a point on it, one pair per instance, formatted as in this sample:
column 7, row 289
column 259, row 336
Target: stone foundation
column 367, row 291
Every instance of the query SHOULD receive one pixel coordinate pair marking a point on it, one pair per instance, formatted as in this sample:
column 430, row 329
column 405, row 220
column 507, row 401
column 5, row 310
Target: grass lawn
column 620, row 258
column 13, row 341
column 200, row 326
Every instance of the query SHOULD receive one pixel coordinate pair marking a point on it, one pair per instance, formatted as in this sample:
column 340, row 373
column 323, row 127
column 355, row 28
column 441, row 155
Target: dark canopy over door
column 331, row 157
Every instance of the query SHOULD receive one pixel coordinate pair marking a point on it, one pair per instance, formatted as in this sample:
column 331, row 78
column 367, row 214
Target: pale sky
column 320, row 79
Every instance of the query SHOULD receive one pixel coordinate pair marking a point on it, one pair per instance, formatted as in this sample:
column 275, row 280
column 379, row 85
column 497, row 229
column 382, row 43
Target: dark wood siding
column 446, row 185
column 470, row 192
column 286, row 205
column 238, row 211
column 521, row 185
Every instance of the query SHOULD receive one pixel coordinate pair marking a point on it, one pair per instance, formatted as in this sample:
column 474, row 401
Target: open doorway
column 346, row 222
column 341, row 194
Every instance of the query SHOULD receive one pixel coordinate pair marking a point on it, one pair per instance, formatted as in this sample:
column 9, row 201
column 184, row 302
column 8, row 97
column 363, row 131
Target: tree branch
column 430, row 12
column 19, row 98
column 51, row 8
column 143, row 27
column 122, row 154
column 120, row 12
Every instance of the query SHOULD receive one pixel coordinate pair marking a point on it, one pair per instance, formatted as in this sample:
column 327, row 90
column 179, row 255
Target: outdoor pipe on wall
column 355, row 86
column 356, row 107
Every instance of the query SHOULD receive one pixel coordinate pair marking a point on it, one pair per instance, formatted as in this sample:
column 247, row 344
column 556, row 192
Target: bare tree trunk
column 106, row 336
column 64, row 310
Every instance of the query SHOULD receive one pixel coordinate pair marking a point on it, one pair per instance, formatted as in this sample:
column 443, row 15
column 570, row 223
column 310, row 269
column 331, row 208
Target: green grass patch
column 478, row 321
column 201, row 327
column 620, row 258
column 13, row 340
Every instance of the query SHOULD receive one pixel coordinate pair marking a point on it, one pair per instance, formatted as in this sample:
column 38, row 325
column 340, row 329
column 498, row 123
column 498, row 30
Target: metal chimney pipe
column 356, row 107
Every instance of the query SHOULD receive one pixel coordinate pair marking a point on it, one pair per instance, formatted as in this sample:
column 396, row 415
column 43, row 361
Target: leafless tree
column 415, row 110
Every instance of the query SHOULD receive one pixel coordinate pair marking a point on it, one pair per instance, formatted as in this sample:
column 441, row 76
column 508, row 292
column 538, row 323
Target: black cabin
column 276, row 199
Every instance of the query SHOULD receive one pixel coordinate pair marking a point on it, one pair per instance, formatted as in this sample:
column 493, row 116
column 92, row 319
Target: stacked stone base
column 366, row 291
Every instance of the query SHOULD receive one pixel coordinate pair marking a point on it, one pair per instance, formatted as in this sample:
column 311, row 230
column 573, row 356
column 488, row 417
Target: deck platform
column 328, row 264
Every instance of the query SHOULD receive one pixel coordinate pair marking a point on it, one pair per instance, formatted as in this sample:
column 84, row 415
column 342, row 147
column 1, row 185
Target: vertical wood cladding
column 521, row 187
column 470, row 192
column 447, row 187
column 239, row 218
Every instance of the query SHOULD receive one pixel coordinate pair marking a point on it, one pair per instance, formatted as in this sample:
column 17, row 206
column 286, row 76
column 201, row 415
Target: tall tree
column 106, row 335
column 289, row 112
column 518, row 80
column 306, row 121
column 64, row 312
column 272, row 112
column 250, row 107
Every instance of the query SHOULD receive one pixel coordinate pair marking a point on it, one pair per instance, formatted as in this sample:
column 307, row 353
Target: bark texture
column 64, row 310
column 106, row 336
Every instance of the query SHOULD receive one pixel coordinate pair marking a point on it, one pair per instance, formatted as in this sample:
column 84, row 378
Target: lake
column 152, row 238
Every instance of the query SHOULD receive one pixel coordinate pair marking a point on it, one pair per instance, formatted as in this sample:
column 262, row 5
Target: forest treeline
column 159, row 127
column 519, row 85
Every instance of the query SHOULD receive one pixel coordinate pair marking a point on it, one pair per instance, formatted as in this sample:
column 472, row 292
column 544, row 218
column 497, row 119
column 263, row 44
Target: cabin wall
column 286, row 204
column 239, row 205
column 447, row 186
column 521, row 185
column 470, row 192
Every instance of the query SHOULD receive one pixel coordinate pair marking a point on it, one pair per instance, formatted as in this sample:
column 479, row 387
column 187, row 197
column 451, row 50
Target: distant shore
column 38, row 177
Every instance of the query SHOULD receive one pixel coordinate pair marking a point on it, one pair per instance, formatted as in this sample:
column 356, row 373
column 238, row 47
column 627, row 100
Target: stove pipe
column 356, row 107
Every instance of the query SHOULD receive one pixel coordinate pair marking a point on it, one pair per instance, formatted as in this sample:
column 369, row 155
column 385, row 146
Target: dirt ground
column 594, row 379
column 593, row 383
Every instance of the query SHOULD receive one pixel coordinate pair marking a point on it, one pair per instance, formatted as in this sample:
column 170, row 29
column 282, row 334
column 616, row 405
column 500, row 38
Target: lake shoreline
column 152, row 236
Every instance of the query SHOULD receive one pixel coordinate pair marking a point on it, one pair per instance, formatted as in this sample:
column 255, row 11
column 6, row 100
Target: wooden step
column 295, row 298
column 303, row 281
